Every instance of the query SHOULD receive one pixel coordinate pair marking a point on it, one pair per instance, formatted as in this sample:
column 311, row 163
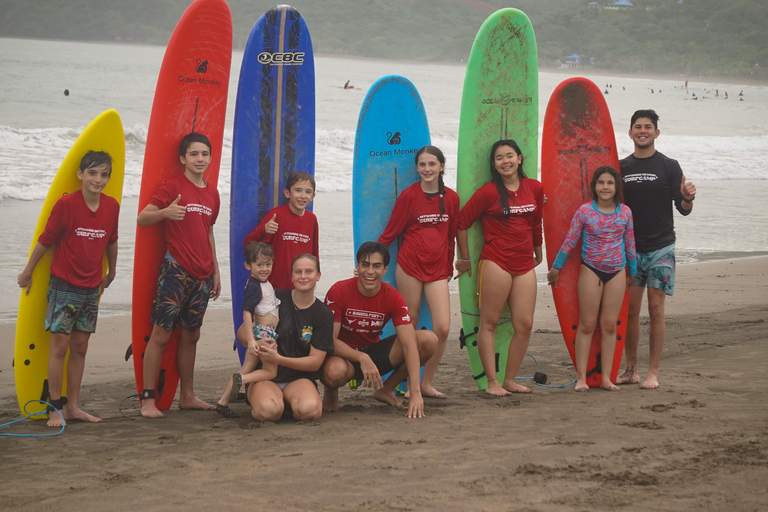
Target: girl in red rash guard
column 426, row 214
column 509, row 208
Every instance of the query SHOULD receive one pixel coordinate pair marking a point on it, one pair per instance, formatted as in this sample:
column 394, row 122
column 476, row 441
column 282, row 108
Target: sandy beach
column 698, row 442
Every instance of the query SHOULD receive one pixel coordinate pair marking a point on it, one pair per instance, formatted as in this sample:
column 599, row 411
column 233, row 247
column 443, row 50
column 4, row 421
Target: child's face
column 197, row 159
column 429, row 167
column 299, row 196
column 605, row 187
column 94, row 178
column 261, row 268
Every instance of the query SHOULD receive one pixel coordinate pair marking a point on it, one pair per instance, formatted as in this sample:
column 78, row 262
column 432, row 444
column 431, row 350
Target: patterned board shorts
column 261, row 331
column 656, row 269
column 181, row 299
column 71, row 308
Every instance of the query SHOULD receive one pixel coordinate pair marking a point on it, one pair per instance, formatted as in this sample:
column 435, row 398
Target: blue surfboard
column 391, row 128
column 274, row 130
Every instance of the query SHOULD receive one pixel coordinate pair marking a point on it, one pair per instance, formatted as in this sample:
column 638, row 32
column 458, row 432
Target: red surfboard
column 578, row 138
column 191, row 95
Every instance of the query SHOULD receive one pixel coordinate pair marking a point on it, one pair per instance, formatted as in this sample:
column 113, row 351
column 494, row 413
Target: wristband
column 689, row 200
column 464, row 259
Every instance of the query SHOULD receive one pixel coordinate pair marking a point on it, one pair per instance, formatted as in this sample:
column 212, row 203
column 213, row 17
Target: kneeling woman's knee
column 307, row 408
column 267, row 410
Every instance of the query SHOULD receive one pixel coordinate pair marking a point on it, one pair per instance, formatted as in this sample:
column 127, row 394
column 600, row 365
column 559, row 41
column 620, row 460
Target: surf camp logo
column 393, row 139
column 200, row 67
column 507, row 100
column 584, row 149
column 288, row 58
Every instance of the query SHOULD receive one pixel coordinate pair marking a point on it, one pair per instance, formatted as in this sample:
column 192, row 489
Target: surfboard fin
column 129, row 352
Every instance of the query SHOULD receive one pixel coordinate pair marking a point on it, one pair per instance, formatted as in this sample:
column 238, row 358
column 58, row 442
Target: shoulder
column 337, row 289
column 532, row 184
column 283, row 295
column 451, row 194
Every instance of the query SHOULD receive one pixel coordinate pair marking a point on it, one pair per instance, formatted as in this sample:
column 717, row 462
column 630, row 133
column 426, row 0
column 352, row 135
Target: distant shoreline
column 707, row 79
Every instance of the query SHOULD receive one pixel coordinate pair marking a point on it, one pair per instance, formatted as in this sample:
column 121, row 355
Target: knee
column 441, row 331
column 79, row 349
column 608, row 327
column 267, row 410
column 525, row 327
column 307, row 409
column 587, row 326
column 427, row 344
column 59, row 350
column 334, row 372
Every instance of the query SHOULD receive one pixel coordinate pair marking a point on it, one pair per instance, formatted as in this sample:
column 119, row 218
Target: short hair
column 255, row 250
column 368, row 248
column 96, row 159
column 607, row 169
column 191, row 138
column 309, row 257
column 296, row 177
column 650, row 114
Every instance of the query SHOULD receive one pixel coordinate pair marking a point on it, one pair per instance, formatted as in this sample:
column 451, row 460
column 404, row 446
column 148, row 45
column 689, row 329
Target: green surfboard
column 499, row 101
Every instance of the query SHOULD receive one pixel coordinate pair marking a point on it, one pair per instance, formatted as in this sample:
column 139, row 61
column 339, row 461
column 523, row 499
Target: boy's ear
column 287, row 193
column 247, row 266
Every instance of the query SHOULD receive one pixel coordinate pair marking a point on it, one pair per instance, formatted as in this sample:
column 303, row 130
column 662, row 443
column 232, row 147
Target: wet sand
column 698, row 442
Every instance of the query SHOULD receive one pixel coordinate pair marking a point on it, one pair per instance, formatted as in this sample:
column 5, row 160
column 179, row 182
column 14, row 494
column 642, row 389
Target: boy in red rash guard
column 361, row 307
column 189, row 275
column 290, row 228
column 83, row 227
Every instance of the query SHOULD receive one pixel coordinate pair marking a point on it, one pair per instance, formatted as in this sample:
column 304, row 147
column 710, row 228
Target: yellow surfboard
column 104, row 133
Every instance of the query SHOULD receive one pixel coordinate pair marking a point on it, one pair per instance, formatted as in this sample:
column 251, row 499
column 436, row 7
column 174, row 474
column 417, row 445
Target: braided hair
column 435, row 151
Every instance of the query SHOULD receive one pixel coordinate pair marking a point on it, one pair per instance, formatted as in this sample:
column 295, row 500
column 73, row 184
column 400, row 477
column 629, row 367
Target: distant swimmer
column 741, row 92
column 66, row 92
column 346, row 85
column 606, row 91
column 726, row 94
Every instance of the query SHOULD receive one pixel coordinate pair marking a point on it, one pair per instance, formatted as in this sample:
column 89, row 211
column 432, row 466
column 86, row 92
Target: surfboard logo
column 506, row 100
column 393, row 139
column 202, row 66
column 289, row 58
column 584, row 149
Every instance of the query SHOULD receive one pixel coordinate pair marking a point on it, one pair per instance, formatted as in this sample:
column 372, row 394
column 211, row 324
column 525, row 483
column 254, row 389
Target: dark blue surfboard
column 391, row 128
column 274, row 130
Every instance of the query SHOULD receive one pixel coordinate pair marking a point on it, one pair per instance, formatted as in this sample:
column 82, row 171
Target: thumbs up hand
column 688, row 190
column 175, row 211
column 271, row 226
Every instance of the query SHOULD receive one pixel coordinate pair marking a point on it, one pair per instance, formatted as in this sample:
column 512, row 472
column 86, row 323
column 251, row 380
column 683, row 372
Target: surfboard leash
column 28, row 415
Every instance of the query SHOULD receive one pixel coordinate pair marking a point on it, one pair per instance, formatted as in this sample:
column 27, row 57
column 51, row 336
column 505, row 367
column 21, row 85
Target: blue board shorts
column 656, row 269
column 71, row 308
column 180, row 299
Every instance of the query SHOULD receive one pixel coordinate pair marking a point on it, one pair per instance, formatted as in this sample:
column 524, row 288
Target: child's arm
column 268, row 371
column 151, row 214
column 216, row 289
column 112, row 264
column 25, row 278
column 264, row 231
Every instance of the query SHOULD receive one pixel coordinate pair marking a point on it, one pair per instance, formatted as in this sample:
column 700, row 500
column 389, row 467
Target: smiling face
column 643, row 133
column 196, row 160
column 370, row 271
column 605, row 188
column 299, row 196
column 506, row 161
column 429, row 169
column 261, row 268
column 304, row 274
column 94, row 178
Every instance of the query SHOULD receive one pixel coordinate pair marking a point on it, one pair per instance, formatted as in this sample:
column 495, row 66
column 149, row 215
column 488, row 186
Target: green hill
column 708, row 37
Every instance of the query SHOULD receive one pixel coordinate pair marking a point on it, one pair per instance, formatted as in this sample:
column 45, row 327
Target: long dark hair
column 497, row 179
column 435, row 151
column 607, row 169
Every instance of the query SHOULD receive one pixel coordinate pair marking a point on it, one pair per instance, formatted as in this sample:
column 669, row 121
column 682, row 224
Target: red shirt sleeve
column 259, row 234
column 398, row 220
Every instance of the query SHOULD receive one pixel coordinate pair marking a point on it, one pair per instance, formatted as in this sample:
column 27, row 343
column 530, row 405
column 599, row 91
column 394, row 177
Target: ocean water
column 721, row 144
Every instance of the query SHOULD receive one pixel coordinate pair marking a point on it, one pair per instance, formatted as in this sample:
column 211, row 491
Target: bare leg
column 426, row 342
column 613, row 294
column 152, row 358
column 496, row 285
column 439, row 301
column 522, row 302
column 185, row 360
column 78, row 346
column 304, row 400
column 590, row 294
column 658, row 333
column 56, row 357
column 249, row 365
column 629, row 375
column 266, row 401
column 336, row 373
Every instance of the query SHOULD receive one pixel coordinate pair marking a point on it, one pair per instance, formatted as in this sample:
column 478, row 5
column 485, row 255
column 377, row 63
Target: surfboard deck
column 499, row 101
column 104, row 133
column 191, row 95
column 391, row 129
column 578, row 138
column 274, row 130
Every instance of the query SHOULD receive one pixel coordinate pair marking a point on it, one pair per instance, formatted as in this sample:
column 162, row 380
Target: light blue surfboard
column 391, row 128
column 274, row 130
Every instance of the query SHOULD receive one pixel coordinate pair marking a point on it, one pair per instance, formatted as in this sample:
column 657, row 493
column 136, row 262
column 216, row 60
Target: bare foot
column 651, row 382
column 76, row 414
column 581, row 386
column 195, row 404
column 387, row 398
column 496, row 390
column 628, row 376
column 330, row 400
column 55, row 420
column 609, row 386
column 516, row 388
column 150, row 410
column 430, row 392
